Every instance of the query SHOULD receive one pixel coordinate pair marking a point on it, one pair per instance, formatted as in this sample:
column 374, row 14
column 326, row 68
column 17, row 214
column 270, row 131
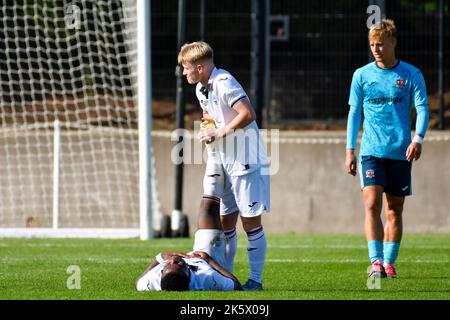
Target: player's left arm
column 354, row 122
column 419, row 94
column 245, row 115
column 231, row 94
column 213, row 263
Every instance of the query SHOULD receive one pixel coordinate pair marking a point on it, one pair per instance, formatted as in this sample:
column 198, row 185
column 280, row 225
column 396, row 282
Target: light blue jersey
column 386, row 97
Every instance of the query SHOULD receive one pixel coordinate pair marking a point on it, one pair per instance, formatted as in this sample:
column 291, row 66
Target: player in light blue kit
column 385, row 90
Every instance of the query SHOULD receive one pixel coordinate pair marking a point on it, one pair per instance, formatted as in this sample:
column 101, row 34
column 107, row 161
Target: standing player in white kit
column 244, row 164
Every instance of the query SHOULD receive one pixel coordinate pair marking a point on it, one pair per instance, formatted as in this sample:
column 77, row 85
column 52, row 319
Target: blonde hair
column 195, row 52
column 385, row 28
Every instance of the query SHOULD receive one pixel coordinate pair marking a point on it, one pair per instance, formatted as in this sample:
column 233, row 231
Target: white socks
column 230, row 249
column 257, row 246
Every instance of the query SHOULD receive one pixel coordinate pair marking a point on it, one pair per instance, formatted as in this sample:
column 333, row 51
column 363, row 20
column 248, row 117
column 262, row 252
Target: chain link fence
column 312, row 65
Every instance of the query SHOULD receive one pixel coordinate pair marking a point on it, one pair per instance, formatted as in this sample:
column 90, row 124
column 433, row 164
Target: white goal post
column 75, row 119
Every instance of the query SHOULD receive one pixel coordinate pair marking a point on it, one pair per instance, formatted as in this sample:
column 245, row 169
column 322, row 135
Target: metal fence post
column 180, row 112
column 257, row 56
column 440, row 70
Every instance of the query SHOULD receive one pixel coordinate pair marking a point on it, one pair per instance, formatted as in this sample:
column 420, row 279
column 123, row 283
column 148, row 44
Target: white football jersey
column 207, row 278
column 211, row 241
column 242, row 152
column 203, row 278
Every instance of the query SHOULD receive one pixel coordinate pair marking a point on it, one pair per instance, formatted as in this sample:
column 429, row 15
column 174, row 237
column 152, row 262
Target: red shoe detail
column 390, row 271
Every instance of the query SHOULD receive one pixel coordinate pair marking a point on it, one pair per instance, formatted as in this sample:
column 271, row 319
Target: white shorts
column 213, row 242
column 249, row 194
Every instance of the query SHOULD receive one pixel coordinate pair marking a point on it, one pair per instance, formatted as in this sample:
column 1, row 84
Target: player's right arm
column 353, row 123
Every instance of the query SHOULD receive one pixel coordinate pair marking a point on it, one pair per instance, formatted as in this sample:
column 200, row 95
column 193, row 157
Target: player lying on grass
column 202, row 268
column 174, row 271
column 196, row 270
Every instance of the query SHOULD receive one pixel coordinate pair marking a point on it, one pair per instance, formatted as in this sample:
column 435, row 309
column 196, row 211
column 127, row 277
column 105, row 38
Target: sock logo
column 251, row 249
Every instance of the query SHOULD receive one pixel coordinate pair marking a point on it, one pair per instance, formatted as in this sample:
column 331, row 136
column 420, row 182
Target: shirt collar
column 213, row 75
column 387, row 69
column 205, row 91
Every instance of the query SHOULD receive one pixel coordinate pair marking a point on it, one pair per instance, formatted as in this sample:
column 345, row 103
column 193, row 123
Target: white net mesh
column 74, row 62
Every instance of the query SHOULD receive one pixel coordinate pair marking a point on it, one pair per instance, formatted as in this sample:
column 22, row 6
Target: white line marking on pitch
column 148, row 260
column 176, row 245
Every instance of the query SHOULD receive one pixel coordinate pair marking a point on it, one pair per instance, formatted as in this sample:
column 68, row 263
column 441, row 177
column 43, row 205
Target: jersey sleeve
column 230, row 90
column 420, row 99
column 354, row 115
column 356, row 90
column 221, row 283
column 151, row 281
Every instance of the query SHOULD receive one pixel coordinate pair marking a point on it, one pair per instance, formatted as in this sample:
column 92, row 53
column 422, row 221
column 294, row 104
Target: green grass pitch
column 298, row 267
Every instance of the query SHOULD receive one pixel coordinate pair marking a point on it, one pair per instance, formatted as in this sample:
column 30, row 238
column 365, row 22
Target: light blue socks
column 386, row 252
column 391, row 252
column 375, row 250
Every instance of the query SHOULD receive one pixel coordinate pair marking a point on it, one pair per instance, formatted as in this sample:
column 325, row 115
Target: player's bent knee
column 210, row 205
column 209, row 213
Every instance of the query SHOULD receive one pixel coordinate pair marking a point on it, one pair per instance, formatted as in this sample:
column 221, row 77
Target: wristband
column 159, row 258
column 418, row 139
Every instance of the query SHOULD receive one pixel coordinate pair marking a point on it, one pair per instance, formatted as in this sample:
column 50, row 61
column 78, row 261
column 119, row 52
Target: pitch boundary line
column 148, row 260
column 177, row 245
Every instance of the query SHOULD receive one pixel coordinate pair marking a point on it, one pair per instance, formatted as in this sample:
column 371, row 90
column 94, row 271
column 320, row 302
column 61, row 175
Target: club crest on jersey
column 370, row 174
column 400, row 83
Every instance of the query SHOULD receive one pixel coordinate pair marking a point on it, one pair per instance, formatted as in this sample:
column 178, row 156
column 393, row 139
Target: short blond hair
column 385, row 28
column 196, row 52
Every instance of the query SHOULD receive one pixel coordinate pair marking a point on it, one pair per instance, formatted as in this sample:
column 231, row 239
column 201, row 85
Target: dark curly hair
column 175, row 281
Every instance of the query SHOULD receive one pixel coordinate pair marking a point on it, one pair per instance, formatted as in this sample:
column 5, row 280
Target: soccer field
column 298, row 267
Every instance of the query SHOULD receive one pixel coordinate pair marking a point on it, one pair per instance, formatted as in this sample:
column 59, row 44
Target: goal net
column 69, row 118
